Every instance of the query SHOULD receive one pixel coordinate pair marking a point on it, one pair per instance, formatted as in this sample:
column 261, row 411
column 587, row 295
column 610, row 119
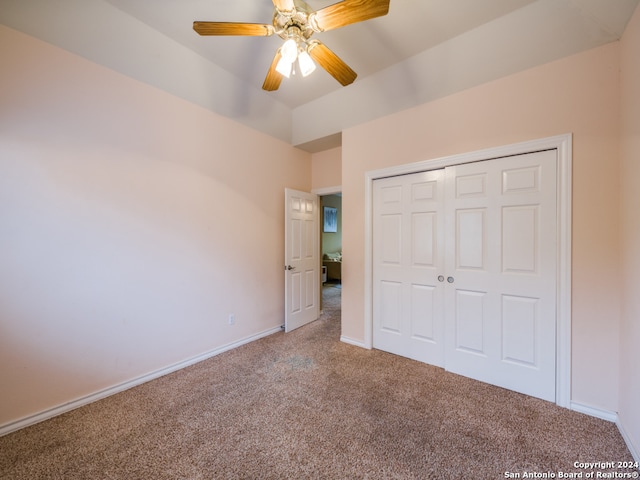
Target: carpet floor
column 304, row 405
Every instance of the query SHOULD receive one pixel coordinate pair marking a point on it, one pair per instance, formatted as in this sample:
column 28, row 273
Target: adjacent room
column 472, row 270
column 332, row 238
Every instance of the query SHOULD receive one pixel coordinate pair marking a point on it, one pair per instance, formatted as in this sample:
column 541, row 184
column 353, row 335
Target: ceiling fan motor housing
column 297, row 22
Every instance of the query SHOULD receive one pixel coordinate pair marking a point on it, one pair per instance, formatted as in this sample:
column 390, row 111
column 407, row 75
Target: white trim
column 121, row 387
column 607, row 415
column 627, row 439
column 563, row 145
column 352, row 341
column 327, row 190
column 563, row 281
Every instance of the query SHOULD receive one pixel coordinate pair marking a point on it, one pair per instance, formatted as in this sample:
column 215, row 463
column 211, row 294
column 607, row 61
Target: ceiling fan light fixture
column 284, row 67
column 306, row 64
column 289, row 50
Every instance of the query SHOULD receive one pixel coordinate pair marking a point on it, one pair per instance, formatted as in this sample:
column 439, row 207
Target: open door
column 301, row 256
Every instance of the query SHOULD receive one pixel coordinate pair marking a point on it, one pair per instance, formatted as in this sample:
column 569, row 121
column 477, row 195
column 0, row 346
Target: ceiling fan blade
column 233, row 28
column 331, row 63
column 348, row 12
column 284, row 6
column 273, row 78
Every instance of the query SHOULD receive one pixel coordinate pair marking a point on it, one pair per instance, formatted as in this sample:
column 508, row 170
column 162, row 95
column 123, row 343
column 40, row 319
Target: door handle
column 440, row 278
column 450, row 279
column 289, row 267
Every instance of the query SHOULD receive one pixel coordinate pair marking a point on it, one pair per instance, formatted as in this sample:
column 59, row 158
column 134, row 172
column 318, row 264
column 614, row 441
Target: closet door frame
column 562, row 144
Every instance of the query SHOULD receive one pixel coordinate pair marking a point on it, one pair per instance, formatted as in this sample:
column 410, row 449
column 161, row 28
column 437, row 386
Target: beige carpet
column 304, row 405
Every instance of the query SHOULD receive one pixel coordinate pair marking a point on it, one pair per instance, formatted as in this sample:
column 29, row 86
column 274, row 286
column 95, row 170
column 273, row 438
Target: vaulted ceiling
column 420, row 51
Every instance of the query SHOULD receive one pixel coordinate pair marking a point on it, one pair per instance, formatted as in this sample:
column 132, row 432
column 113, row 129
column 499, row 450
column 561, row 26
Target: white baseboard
column 627, row 439
column 99, row 395
column 351, row 341
column 607, row 415
column 610, row 417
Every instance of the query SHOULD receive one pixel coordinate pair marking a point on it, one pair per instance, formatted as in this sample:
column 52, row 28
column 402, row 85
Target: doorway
column 331, row 247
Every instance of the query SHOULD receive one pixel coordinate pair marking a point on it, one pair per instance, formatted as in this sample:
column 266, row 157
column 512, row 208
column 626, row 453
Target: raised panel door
column 501, row 258
column 302, row 265
column 408, row 257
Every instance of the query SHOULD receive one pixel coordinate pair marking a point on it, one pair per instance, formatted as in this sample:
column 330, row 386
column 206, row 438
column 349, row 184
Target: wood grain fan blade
column 331, row 63
column 348, row 12
column 233, row 28
column 284, row 6
column 273, row 78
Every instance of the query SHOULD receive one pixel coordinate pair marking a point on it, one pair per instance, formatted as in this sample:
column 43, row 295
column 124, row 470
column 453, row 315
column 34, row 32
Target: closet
column 464, row 269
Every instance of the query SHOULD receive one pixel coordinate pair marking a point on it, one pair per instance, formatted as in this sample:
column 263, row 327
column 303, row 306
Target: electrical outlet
column 232, row 319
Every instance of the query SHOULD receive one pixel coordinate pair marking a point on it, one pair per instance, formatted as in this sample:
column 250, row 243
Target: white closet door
column 488, row 229
column 500, row 303
column 408, row 256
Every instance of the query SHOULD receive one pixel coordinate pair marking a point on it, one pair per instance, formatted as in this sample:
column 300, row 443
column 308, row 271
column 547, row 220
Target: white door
column 302, row 265
column 501, row 264
column 467, row 279
column 408, row 248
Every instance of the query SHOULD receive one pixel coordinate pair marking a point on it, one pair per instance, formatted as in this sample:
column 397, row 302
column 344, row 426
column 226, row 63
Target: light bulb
column 284, row 67
column 306, row 64
column 289, row 50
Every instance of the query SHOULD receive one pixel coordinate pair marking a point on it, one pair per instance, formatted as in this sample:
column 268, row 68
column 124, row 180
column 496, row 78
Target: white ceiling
column 423, row 49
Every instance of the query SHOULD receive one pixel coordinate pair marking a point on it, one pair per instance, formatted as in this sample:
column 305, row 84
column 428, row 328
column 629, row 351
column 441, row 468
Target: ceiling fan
column 295, row 22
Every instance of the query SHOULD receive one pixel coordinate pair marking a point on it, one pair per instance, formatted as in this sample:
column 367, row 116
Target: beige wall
column 132, row 223
column 630, row 233
column 326, row 169
column 579, row 95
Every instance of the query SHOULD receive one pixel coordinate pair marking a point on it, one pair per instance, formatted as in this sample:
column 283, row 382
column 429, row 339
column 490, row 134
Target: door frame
column 563, row 145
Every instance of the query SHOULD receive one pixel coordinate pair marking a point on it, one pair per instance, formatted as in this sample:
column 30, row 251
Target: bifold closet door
column 464, row 270
column 500, row 306
column 408, row 255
